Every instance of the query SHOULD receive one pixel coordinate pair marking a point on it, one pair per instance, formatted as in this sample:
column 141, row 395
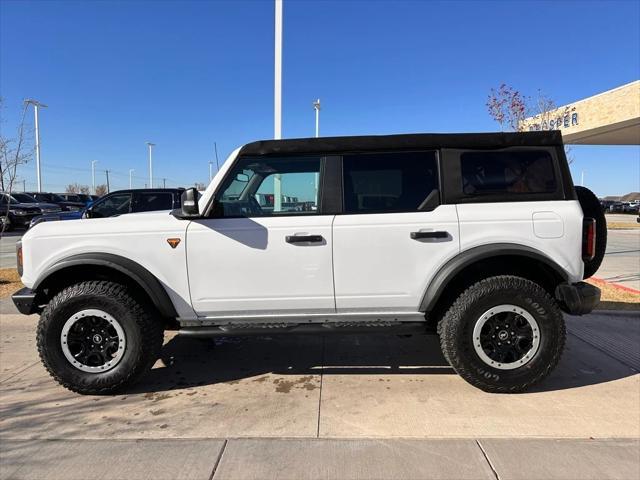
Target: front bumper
column 577, row 298
column 25, row 301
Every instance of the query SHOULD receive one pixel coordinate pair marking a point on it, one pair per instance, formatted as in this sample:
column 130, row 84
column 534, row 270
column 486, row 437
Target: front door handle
column 304, row 239
column 437, row 234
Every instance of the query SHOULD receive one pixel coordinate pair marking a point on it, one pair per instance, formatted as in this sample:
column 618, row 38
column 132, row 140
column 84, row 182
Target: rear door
column 393, row 234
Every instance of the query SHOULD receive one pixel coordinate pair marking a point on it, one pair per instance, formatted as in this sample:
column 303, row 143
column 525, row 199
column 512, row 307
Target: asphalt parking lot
column 301, row 407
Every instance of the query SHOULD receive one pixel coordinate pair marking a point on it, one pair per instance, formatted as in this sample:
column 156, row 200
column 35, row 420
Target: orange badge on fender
column 173, row 242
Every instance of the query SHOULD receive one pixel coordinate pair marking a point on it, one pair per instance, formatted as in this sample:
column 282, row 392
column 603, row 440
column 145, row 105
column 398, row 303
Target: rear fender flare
column 454, row 266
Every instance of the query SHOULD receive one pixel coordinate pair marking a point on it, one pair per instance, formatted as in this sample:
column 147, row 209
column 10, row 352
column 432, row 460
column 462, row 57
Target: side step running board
column 396, row 328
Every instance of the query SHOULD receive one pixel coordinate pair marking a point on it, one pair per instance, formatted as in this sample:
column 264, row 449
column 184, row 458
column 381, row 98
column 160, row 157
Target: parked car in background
column 65, row 205
column 84, row 198
column 606, row 204
column 16, row 214
column 616, row 207
column 43, row 206
column 121, row 202
column 631, row 207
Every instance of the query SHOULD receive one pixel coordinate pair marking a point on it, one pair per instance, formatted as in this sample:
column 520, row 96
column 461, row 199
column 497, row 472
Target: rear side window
column 149, row 202
column 388, row 182
column 508, row 172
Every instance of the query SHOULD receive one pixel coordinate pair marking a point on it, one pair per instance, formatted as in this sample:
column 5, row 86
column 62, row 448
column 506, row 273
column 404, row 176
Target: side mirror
column 86, row 213
column 189, row 203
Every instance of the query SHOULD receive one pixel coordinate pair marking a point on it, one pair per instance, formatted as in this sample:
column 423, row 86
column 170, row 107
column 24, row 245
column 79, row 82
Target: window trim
column 439, row 181
column 452, row 181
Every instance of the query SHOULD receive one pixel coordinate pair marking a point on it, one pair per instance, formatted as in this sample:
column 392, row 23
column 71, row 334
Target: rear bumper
column 25, row 301
column 578, row 298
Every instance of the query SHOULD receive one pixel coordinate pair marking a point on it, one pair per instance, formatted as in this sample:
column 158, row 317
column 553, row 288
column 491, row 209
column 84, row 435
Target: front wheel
column 503, row 334
column 96, row 338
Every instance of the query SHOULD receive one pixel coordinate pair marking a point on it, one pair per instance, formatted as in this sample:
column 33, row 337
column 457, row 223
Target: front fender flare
column 136, row 272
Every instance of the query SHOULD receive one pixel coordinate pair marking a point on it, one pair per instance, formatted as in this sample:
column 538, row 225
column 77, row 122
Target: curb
column 615, row 285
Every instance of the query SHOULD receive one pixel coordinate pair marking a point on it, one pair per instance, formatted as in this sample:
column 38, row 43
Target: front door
column 266, row 249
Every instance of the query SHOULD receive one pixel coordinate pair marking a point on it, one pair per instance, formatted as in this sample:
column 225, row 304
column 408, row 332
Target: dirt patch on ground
column 9, row 282
column 615, row 298
column 622, row 225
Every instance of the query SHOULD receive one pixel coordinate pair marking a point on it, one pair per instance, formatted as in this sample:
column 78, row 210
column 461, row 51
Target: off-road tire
column 591, row 208
column 144, row 336
column 456, row 333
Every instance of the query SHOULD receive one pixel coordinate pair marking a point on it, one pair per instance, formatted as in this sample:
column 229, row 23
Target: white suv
column 480, row 236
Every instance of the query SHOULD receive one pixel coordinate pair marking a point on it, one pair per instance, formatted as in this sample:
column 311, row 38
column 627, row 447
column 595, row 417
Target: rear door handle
column 437, row 234
column 304, row 239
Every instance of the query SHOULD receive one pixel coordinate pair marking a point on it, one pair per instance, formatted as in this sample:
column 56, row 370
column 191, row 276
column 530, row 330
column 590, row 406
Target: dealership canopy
column 609, row 118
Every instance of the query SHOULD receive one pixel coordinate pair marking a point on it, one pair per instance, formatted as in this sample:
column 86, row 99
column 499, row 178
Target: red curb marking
column 616, row 285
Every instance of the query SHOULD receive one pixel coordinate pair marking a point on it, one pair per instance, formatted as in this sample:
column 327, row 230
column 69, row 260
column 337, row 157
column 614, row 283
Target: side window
column 388, row 182
column 149, row 202
column 508, row 172
column 110, row 206
column 270, row 186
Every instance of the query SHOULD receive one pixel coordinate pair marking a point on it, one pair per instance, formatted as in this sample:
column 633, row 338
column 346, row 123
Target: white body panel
column 141, row 237
column 379, row 267
column 244, row 266
column 557, row 232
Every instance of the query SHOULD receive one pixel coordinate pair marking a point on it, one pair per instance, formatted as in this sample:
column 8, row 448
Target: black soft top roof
column 413, row 141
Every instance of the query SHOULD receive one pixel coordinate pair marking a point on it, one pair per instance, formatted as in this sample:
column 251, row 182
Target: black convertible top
column 413, row 141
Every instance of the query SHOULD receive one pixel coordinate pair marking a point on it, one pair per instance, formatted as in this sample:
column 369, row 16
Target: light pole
column 277, row 100
column 316, row 107
column 106, row 172
column 151, row 145
column 36, row 105
column 131, row 170
column 93, row 175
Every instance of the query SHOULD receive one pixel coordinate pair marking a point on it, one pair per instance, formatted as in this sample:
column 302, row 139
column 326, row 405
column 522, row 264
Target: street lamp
column 131, row 170
column 316, row 107
column 277, row 100
column 151, row 145
column 36, row 105
column 93, row 175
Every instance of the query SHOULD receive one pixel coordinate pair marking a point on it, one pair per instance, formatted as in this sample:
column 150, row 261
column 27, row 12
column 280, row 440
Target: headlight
column 20, row 212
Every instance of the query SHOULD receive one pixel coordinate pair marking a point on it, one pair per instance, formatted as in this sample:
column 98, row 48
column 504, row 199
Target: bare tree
column 13, row 153
column 507, row 106
column 77, row 188
column 510, row 108
column 101, row 190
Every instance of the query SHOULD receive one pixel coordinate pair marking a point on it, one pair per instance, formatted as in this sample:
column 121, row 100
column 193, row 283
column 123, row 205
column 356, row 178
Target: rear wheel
column 95, row 338
column 503, row 334
column 591, row 208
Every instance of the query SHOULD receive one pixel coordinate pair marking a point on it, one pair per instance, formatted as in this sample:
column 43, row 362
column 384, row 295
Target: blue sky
column 184, row 74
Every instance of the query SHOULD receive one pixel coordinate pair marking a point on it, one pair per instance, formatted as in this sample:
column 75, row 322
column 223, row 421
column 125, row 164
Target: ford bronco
column 482, row 238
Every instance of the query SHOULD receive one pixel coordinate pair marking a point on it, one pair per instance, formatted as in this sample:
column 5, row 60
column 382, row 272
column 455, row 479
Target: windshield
column 23, row 198
column 5, row 198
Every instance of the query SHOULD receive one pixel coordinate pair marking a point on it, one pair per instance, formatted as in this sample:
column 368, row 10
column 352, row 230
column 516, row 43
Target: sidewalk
column 311, row 459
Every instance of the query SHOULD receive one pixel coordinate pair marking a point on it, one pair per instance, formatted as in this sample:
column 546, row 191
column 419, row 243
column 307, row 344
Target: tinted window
column 388, row 182
column 507, row 172
column 251, row 187
column 23, row 198
column 113, row 205
column 149, row 202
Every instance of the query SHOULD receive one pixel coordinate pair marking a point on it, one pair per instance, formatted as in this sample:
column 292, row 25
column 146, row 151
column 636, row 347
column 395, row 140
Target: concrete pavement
column 325, row 407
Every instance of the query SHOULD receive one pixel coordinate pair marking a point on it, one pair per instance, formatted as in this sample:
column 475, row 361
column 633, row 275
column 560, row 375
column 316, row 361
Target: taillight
column 19, row 259
column 588, row 239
